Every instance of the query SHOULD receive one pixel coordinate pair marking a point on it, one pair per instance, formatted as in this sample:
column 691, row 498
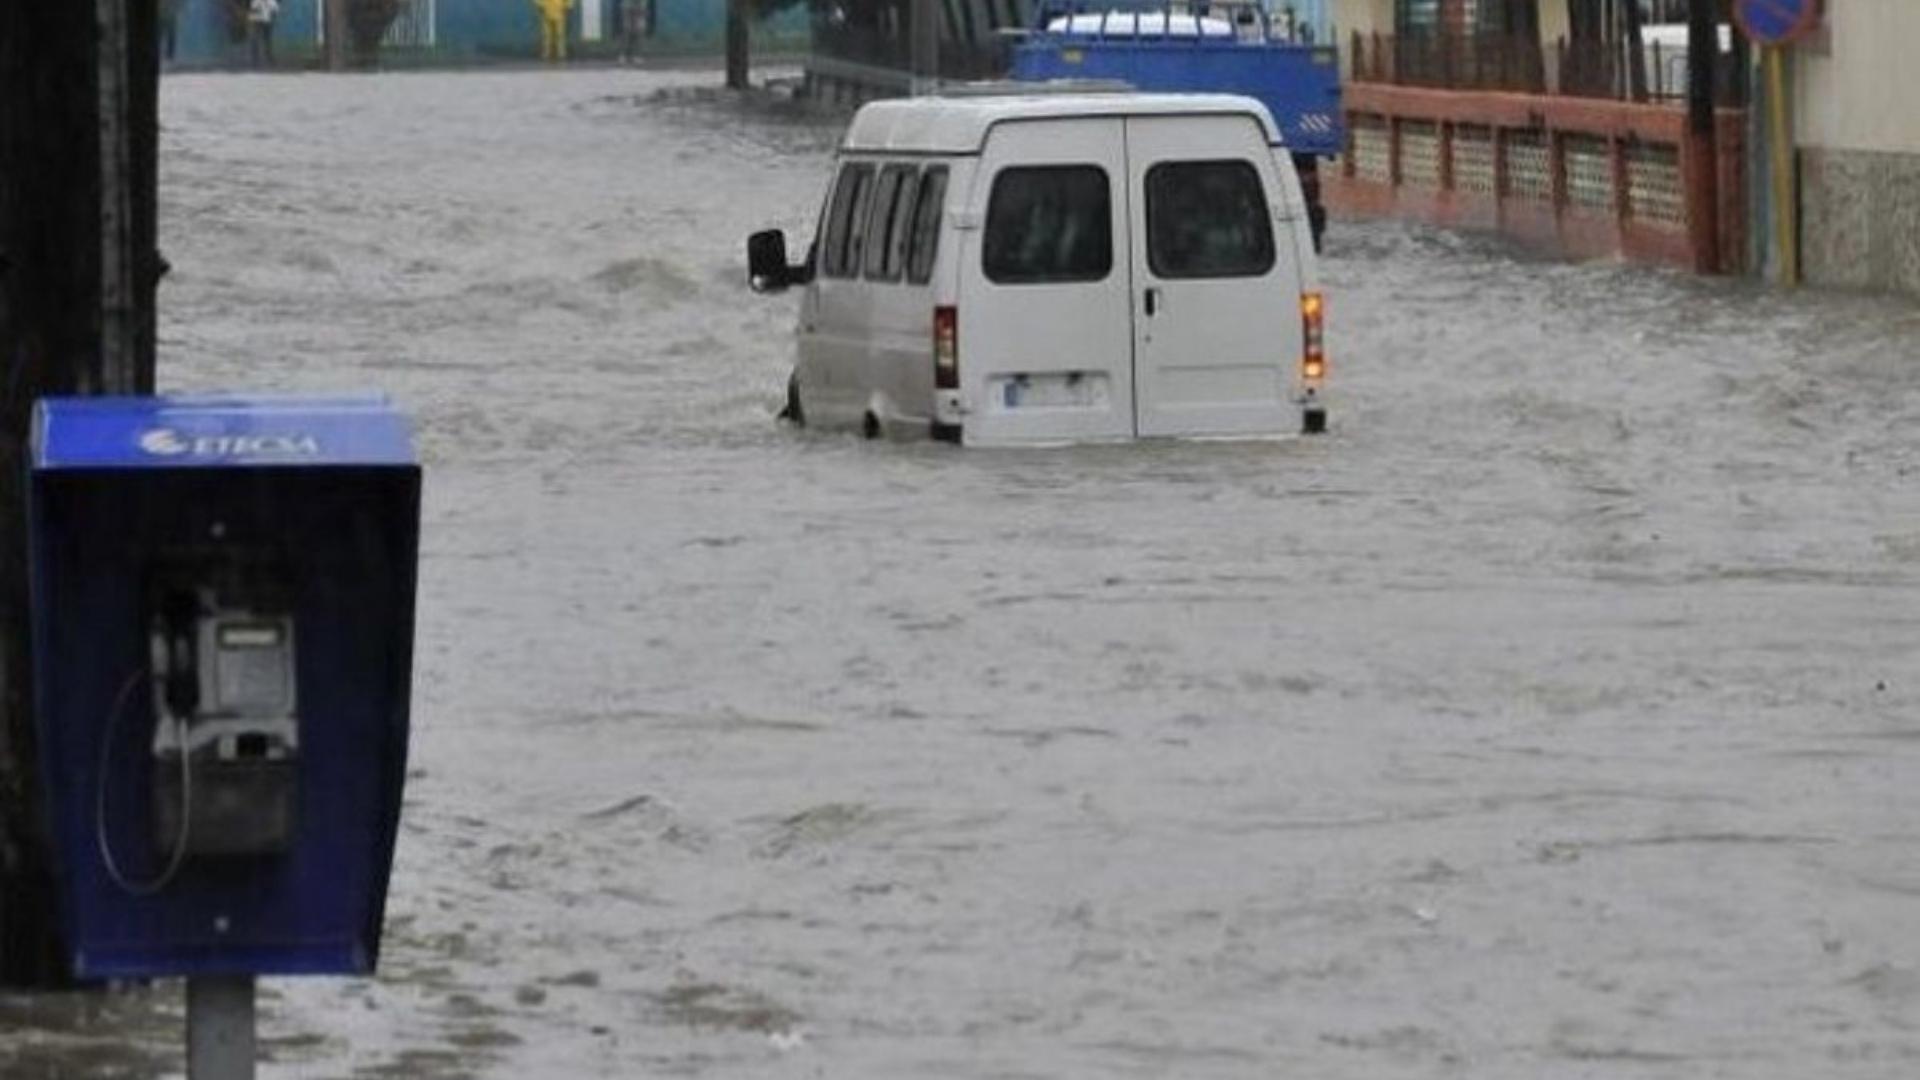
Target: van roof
column 959, row 125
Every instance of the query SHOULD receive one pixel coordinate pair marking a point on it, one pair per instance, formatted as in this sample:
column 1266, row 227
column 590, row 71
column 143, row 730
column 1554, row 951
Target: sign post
column 220, row 1029
column 1775, row 24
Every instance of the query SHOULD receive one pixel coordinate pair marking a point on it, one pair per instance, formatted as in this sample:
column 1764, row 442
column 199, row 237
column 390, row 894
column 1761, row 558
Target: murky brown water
column 1553, row 717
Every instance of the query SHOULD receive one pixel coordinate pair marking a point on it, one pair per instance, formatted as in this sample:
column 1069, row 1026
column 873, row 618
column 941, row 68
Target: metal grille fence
column 1372, row 149
column 1586, row 177
column 1654, row 195
column 1589, row 164
column 1522, row 63
column 1529, row 167
column 1473, row 159
column 413, row 26
column 1420, row 154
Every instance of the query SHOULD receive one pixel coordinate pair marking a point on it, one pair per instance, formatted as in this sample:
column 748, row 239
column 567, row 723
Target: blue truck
column 1234, row 47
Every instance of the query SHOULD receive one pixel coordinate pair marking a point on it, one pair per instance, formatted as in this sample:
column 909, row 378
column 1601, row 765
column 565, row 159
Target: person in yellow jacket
column 553, row 27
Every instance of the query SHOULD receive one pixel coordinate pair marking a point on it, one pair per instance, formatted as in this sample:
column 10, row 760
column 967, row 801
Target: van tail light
column 1313, row 358
column 946, row 348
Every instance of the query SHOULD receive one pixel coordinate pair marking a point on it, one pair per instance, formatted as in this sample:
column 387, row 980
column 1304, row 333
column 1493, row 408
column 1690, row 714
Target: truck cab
column 1233, row 47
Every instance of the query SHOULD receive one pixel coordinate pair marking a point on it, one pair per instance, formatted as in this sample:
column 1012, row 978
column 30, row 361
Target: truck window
column 923, row 243
column 842, row 248
column 1049, row 223
column 889, row 199
column 1207, row 219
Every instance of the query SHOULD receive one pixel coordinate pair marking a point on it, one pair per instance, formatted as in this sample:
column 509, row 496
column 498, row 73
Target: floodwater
column 1554, row 716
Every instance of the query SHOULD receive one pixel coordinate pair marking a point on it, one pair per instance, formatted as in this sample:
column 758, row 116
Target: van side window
column 842, row 251
column 1207, row 219
column 924, row 241
column 889, row 212
column 1049, row 223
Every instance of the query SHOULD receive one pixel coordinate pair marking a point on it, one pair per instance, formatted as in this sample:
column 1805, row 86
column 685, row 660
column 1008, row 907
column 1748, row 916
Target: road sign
column 1777, row 22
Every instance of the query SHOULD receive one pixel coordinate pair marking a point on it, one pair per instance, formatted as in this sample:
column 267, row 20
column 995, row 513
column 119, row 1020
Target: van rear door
column 1217, row 335
column 1045, row 285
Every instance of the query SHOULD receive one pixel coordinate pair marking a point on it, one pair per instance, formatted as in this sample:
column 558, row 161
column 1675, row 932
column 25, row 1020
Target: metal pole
column 220, row 1030
column 737, row 44
column 118, row 261
column 1636, row 54
column 336, row 32
column 1786, row 230
column 1703, row 211
column 924, row 27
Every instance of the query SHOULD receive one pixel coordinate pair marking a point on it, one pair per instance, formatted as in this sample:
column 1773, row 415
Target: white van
column 1002, row 269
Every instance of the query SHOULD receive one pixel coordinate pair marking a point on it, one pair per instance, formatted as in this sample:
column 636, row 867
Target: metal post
column 336, row 31
column 1703, row 185
column 1779, row 140
column 220, row 1029
column 924, row 27
column 1636, row 56
column 737, row 44
column 118, row 261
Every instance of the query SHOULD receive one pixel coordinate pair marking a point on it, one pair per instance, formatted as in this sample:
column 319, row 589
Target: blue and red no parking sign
column 1777, row 22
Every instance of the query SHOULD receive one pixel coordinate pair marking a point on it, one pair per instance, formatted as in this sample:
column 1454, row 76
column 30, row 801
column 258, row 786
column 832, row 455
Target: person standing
column 260, row 16
column 553, row 27
column 169, row 28
column 634, row 26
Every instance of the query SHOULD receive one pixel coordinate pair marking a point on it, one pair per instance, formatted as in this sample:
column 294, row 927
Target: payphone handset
column 223, row 678
column 226, row 730
column 225, row 698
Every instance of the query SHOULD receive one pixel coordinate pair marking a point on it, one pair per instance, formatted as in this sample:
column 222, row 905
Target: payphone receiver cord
column 165, row 877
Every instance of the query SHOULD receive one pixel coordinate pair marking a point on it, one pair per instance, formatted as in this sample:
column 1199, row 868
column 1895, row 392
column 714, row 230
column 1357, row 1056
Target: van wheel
column 1313, row 422
column 870, row 427
column 793, row 413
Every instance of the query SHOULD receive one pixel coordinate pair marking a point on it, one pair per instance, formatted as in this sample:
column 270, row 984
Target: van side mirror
column 767, row 269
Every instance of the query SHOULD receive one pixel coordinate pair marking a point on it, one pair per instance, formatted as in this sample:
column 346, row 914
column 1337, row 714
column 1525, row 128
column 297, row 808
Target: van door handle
column 1152, row 301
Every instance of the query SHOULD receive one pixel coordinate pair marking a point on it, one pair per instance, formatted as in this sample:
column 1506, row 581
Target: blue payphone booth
column 223, row 593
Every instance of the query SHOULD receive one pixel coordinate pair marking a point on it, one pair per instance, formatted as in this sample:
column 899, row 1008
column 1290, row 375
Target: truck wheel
column 1313, row 422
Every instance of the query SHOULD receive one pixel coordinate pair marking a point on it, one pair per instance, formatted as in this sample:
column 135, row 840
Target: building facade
column 1852, row 99
column 212, row 33
column 1855, row 102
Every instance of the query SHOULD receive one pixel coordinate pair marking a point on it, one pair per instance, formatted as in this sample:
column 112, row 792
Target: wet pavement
column 1554, row 716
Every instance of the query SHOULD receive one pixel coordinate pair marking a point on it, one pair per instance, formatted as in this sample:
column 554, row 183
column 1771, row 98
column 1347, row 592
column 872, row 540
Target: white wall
column 1857, row 85
column 1366, row 16
column 1554, row 22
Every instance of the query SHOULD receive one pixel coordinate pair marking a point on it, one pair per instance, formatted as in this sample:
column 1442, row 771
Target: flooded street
column 1555, row 716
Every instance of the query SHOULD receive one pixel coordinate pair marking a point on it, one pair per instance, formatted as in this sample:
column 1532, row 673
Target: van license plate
column 1052, row 390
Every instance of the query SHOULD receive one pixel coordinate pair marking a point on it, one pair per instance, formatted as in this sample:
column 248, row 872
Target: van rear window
column 1049, row 223
column 924, row 243
column 890, row 207
column 846, row 221
column 1207, row 219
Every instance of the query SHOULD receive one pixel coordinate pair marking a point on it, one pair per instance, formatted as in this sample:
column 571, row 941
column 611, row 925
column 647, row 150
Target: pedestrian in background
column 169, row 28
column 634, row 26
column 260, row 16
column 553, row 27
